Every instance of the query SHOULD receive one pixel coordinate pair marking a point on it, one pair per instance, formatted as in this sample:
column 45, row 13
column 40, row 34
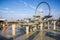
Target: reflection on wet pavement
column 37, row 35
column 32, row 36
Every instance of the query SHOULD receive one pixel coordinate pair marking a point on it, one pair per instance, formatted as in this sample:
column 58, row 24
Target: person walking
column 5, row 28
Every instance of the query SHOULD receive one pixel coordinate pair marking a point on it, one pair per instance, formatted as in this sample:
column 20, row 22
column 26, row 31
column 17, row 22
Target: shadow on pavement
column 32, row 36
column 53, row 35
column 4, row 38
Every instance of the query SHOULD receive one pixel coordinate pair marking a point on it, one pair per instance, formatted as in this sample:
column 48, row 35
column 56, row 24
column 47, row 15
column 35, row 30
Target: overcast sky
column 19, row 9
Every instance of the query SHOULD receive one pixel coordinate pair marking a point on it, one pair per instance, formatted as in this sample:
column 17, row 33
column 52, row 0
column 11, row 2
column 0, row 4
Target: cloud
column 6, row 10
column 25, row 4
column 55, row 13
column 33, row 7
column 17, row 16
column 28, row 5
column 13, row 15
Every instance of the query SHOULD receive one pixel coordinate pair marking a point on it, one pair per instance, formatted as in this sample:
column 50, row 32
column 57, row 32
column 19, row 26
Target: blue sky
column 19, row 9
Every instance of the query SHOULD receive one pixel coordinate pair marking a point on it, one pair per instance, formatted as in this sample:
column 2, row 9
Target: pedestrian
column 5, row 28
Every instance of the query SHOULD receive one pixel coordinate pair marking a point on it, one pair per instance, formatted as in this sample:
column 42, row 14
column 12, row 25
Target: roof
column 2, row 19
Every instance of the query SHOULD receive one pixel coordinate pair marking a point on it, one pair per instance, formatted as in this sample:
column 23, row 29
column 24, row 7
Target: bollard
column 54, row 25
column 13, row 31
column 48, row 25
column 41, row 26
column 27, row 29
column 35, row 28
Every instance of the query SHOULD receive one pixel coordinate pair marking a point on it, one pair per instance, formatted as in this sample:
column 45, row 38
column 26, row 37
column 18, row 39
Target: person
column 1, row 27
column 5, row 28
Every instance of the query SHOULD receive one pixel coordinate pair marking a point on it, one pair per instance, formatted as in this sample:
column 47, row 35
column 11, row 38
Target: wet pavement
column 37, row 35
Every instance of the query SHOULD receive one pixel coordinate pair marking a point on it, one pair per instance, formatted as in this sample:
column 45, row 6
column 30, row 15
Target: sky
column 19, row 9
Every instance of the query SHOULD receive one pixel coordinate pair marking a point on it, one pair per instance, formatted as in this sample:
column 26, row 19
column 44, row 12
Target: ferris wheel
column 43, row 9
